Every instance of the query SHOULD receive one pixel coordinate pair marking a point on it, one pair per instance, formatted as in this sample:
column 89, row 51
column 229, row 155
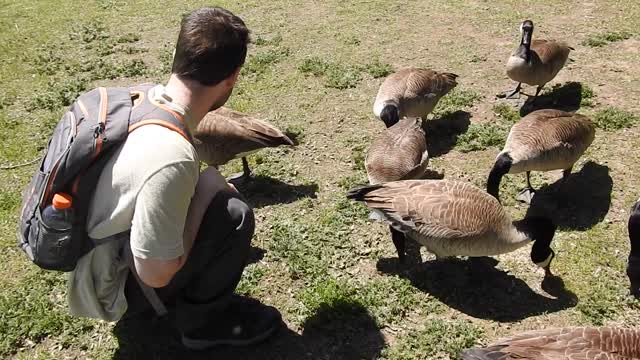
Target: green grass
column 439, row 339
column 378, row 69
column 457, row 99
column 506, row 113
column 258, row 64
column 586, row 95
column 610, row 119
column 599, row 40
column 481, row 137
column 33, row 312
column 341, row 76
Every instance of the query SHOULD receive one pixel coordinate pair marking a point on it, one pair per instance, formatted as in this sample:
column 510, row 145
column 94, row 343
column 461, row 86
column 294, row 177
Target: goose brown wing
column 398, row 152
column 548, row 130
column 551, row 51
column 224, row 134
column 437, row 208
column 579, row 343
column 429, row 83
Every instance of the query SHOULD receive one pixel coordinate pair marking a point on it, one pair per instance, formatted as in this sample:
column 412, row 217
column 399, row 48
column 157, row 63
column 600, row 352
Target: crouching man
column 188, row 233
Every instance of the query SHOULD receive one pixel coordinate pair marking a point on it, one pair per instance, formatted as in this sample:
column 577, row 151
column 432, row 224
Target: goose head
column 541, row 230
column 633, row 266
column 390, row 114
column 526, row 29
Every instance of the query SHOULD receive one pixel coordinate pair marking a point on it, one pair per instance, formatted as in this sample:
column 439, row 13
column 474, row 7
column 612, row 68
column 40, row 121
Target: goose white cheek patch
column 545, row 263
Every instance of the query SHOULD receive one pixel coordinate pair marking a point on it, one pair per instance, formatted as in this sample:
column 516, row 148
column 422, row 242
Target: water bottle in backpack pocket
column 53, row 242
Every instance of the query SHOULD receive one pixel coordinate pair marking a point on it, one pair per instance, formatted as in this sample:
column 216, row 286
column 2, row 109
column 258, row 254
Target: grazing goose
column 453, row 218
column 398, row 153
column 225, row 134
column 535, row 62
column 633, row 266
column 411, row 92
column 584, row 343
column 543, row 140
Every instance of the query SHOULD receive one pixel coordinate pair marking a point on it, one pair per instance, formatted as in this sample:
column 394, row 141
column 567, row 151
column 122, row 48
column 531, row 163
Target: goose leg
column 244, row 176
column 535, row 97
column 399, row 242
column 515, row 94
column 526, row 195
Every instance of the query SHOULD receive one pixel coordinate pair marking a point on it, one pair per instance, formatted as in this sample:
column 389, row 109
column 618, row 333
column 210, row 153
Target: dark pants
column 203, row 287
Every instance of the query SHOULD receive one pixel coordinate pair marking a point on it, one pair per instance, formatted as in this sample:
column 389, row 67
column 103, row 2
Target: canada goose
column 543, row 140
column 398, row 153
column 633, row 266
column 411, row 92
column 225, row 134
column 584, row 343
column 453, row 218
column 535, row 62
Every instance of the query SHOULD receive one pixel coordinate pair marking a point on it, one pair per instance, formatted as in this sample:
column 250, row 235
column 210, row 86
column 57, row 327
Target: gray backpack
column 84, row 139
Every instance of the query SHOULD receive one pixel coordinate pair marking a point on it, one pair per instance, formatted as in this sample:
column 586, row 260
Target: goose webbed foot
column 526, row 195
column 514, row 94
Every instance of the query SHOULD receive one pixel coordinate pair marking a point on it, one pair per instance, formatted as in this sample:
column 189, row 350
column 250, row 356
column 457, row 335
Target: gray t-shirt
column 146, row 187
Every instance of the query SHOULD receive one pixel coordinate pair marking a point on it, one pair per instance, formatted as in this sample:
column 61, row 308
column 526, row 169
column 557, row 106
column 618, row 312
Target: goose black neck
column 500, row 168
column 634, row 230
column 524, row 50
column 390, row 115
column 541, row 230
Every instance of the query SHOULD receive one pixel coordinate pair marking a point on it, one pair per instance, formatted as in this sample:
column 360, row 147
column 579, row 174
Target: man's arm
column 166, row 220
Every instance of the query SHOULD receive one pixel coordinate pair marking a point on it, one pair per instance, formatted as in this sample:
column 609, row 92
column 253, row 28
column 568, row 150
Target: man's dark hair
column 212, row 44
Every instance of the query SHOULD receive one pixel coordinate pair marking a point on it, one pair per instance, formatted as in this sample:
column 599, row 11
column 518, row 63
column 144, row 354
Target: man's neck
column 192, row 96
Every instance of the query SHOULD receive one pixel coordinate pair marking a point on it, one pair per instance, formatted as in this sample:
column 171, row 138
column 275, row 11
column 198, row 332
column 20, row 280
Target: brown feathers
column 448, row 217
column 548, row 140
column 584, row 343
column 225, row 134
column 414, row 91
column 398, row 152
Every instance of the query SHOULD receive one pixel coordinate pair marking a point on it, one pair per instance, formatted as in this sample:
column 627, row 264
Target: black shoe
column 246, row 322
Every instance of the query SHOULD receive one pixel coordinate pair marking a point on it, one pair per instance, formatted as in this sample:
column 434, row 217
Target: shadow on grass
column 476, row 288
column 338, row 331
column 566, row 97
column 263, row 191
column 582, row 201
column 442, row 132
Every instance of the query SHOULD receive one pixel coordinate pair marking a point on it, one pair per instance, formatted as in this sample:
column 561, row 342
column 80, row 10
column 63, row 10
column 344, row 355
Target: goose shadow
column 340, row 330
column 263, row 191
column 566, row 97
column 442, row 132
column 477, row 288
column 582, row 201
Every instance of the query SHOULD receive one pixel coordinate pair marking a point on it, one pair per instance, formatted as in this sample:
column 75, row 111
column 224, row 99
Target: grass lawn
column 314, row 69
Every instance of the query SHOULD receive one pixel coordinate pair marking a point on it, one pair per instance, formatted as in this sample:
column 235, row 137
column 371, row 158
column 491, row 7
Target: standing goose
column 398, row 153
column 411, row 92
column 584, row 343
column 543, row 140
column 452, row 218
column 535, row 62
column 225, row 134
column 633, row 266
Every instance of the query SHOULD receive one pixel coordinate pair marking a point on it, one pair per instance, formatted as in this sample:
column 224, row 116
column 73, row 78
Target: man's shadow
column 340, row 330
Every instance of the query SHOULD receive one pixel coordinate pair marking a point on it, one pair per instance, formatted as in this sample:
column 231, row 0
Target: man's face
column 222, row 99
